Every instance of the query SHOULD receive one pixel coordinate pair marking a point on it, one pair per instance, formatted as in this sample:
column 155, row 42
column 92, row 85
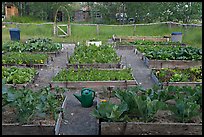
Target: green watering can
column 86, row 98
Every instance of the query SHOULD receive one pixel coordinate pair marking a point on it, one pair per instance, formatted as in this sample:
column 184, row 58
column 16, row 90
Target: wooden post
column 97, row 29
column 134, row 30
column 54, row 29
column 169, row 24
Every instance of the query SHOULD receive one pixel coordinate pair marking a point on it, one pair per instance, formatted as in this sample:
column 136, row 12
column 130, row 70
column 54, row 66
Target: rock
column 171, row 102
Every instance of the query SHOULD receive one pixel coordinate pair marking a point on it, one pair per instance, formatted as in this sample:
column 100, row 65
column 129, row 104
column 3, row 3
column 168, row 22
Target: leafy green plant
column 93, row 74
column 109, row 111
column 170, row 52
column 29, row 104
column 184, row 109
column 192, row 74
column 32, row 45
column 143, row 104
column 14, row 75
column 94, row 54
column 23, row 58
column 42, row 45
column 148, row 42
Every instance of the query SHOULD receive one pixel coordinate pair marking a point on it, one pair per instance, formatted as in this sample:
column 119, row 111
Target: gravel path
column 78, row 120
column 140, row 71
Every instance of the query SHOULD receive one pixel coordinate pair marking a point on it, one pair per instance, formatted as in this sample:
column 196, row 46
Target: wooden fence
column 169, row 24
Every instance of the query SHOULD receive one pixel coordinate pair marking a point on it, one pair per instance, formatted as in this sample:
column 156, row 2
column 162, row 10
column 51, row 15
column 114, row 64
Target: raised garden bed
column 95, row 65
column 169, row 63
column 133, row 38
column 26, row 59
column 93, row 78
column 177, row 77
column 104, row 56
column 37, row 125
column 19, row 77
column 32, row 45
column 52, row 54
column 164, row 43
column 152, row 112
column 140, row 128
column 168, row 56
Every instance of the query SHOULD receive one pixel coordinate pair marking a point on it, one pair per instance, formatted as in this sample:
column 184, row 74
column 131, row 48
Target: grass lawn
column 191, row 35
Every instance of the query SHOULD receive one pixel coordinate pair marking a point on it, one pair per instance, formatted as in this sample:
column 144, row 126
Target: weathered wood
column 38, row 66
column 140, row 128
column 134, row 38
column 97, row 29
column 170, row 63
column 124, row 47
column 62, row 31
column 95, row 65
column 94, row 84
column 15, row 129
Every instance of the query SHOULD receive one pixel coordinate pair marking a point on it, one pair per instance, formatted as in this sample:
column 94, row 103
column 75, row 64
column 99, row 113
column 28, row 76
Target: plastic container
column 176, row 37
column 14, row 34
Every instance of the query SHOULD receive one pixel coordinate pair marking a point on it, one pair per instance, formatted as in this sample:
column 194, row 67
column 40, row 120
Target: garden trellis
column 57, row 27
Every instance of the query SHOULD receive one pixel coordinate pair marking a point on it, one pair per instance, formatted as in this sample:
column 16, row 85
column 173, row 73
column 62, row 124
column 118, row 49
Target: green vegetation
column 146, row 42
column 14, row 75
column 31, row 45
column 193, row 74
column 191, row 36
column 94, row 54
column 24, row 19
column 93, row 74
column 138, row 104
column 24, row 58
column 29, row 105
column 161, row 52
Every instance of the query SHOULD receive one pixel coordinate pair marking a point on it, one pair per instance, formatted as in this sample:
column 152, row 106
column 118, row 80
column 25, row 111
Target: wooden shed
column 10, row 10
column 82, row 15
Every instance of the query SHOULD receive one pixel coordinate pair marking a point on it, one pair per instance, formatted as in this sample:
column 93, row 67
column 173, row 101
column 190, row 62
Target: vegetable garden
column 101, row 67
